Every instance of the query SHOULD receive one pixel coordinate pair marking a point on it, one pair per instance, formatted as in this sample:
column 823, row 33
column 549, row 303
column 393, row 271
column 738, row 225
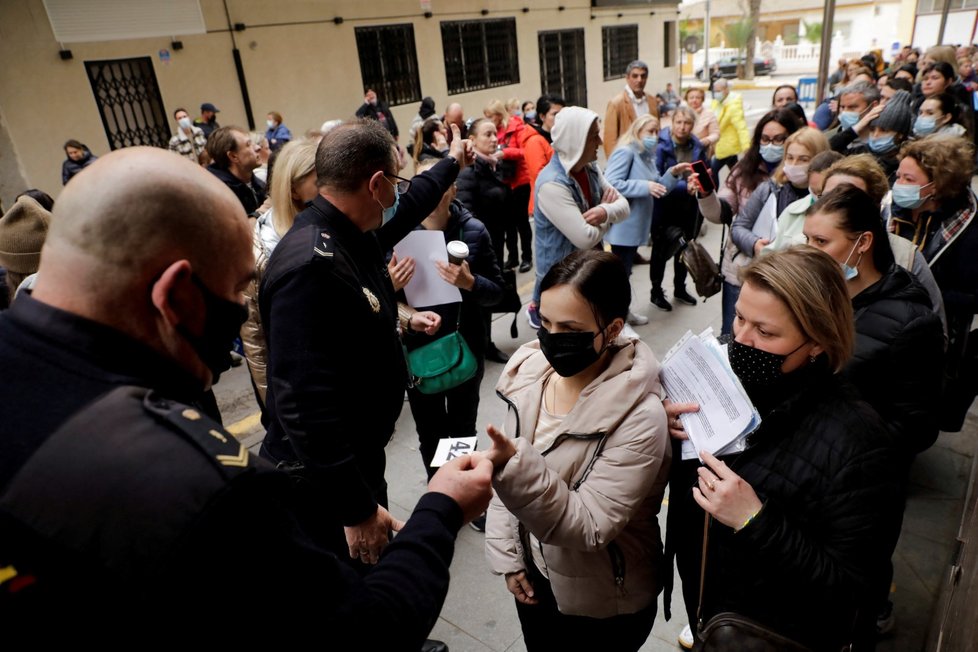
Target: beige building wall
column 308, row 72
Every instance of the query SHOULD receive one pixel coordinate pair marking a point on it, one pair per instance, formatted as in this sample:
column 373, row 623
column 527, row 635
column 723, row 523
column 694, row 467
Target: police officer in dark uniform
column 336, row 368
column 124, row 511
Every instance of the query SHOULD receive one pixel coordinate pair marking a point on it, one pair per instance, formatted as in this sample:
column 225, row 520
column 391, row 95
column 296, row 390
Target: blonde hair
column 865, row 167
column 948, row 161
column 296, row 160
column 512, row 104
column 812, row 140
column 945, row 53
column 810, row 285
column 496, row 107
column 631, row 134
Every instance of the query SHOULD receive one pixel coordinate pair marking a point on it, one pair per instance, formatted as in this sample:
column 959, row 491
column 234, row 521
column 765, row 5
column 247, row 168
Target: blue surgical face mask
column 881, row 145
column 848, row 118
column 852, row 272
column 772, row 153
column 649, row 142
column 907, row 195
column 924, row 125
column 392, row 209
column 530, row 116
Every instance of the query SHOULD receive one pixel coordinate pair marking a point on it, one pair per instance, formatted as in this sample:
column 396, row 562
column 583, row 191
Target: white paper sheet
column 766, row 225
column 426, row 287
column 695, row 372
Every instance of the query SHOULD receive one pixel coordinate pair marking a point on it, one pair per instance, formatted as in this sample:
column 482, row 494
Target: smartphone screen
column 703, row 176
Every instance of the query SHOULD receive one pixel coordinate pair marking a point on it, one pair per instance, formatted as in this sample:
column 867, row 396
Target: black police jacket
column 336, row 368
column 53, row 363
column 141, row 517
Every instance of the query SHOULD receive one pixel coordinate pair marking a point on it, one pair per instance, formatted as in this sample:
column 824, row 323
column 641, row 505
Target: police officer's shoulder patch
column 323, row 245
column 220, row 446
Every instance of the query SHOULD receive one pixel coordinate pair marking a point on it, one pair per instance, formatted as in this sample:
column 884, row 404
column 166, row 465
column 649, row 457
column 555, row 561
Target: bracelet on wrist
column 750, row 518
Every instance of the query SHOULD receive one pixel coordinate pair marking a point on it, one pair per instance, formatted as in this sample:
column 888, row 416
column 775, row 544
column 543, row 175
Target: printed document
column 696, row 370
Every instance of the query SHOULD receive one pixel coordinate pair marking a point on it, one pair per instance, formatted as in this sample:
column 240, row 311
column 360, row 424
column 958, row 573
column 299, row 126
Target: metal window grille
column 562, row 64
column 480, row 54
column 620, row 46
column 129, row 102
column 389, row 62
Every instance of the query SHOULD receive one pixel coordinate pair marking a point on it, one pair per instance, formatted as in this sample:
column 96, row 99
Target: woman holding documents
column 803, row 519
column 573, row 522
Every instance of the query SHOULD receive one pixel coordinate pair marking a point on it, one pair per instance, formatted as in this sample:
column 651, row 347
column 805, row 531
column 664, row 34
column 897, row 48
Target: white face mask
column 797, row 174
column 270, row 124
column 184, row 122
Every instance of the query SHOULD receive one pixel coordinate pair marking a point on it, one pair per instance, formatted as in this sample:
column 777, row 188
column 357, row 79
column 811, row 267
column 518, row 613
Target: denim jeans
column 729, row 298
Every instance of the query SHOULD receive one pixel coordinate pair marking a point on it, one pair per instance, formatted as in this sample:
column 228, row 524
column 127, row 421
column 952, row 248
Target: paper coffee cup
column 457, row 252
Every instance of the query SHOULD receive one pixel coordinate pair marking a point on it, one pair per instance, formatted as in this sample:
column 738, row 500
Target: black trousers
column 662, row 238
column 448, row 414
column 518, row 223
column 545, row 628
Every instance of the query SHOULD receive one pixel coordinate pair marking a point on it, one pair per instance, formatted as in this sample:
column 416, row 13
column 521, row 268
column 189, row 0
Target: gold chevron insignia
column 218, row 436
column 190, row 415
column 241, row 459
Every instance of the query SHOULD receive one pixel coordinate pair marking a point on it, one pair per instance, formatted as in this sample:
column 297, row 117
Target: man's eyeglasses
column 402, row 185
column 777, row 140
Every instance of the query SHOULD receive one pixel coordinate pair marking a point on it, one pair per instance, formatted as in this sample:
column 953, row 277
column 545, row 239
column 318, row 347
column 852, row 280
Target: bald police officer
column 124, row 511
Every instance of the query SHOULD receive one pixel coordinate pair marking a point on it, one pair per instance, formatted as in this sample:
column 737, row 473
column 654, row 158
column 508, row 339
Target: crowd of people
column 849, row 287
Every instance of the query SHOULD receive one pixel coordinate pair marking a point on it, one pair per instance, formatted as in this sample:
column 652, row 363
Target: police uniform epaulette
column 322, row 246
column 228, row 455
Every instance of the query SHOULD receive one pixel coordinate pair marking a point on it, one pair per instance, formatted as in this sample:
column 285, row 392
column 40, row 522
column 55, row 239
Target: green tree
column 812, row 32
column 753, row 16
column 740, row 34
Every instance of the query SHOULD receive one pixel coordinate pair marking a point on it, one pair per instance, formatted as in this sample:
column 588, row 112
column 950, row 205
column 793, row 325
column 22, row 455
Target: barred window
column 562, row 65
column 620, row 45
column 479, row 54
column 669, row 48
column 389, row 63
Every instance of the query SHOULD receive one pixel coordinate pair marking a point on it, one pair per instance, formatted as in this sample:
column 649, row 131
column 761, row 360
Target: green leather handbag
column 441, row 365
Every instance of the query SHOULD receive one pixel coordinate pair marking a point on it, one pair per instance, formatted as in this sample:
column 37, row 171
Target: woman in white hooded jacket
column 573, row 522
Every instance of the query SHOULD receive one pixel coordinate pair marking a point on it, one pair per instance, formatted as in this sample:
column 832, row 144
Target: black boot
column 658, row 299
column 495, row 355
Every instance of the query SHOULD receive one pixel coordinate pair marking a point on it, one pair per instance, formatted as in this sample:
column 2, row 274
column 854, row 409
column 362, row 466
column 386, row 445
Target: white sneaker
column 636, row 320
column 686, row 639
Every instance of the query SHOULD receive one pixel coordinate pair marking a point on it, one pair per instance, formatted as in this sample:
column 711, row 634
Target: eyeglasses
column 402, row 185
column 777, row 140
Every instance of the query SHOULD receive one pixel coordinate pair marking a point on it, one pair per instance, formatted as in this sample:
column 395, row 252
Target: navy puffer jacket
column 823, row 464
column 898, row 362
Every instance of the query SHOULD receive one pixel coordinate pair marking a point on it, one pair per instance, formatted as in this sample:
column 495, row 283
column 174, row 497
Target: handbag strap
column 699, row 605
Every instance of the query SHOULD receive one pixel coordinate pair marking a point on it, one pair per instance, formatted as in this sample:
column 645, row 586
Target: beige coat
column 619, row 117
column 252, row 331
column 592, row 498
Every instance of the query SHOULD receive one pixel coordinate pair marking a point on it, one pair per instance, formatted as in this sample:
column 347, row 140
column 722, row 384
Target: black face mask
column 568, row 353
column 223, row 320
column 756, row 369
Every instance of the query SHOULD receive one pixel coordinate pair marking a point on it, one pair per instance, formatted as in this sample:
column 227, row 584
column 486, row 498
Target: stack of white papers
column 696, row 370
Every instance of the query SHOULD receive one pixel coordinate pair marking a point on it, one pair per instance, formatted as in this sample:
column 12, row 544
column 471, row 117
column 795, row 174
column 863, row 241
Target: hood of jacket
column 569, row 134
column 631, row 375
